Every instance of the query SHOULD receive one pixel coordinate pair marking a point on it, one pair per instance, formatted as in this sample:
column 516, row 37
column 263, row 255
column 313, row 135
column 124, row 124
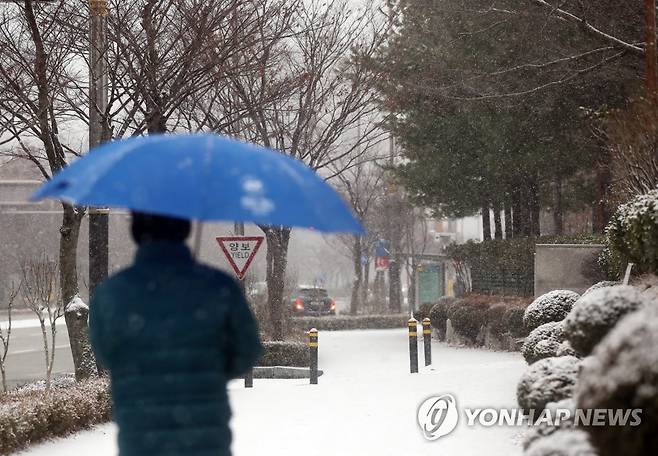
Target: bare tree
column 42, row 296
column 304, row 97
column 631, row 137
column 361, row 186
column 37, row 72
column 5, row 333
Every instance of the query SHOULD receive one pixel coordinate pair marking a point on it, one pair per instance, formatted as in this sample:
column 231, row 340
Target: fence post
column 427, row 340
column 313, row 353
column 249, row 379
column 413, row 345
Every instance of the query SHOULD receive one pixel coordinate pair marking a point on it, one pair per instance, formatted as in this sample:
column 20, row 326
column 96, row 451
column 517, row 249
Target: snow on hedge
column 565, row 349
column 542, row 342
column 552, row 306
column 622, row 373
column 596, row 313
column 547, row 380
column 599, row 285
column 565, row 442
column 542, row 429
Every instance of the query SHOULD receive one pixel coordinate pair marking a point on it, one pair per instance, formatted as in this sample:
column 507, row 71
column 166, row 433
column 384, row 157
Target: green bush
column 513, row 321
column 632, row 235
column 423, row 312
column 28, row 416
column 439, row 314
column 507, row 266
column 284, row 354
column 467, row 317
column 494, row 317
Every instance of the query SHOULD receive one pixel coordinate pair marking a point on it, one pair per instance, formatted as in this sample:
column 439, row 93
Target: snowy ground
column 366, row 403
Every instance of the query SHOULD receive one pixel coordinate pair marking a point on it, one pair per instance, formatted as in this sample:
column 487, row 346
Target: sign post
column 240, row 251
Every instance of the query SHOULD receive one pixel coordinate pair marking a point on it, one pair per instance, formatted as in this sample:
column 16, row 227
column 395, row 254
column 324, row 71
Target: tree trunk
column 83, row 358
column 358, row 276
column 518, row 217
column 394, row 295
column 509, row 231
column 277, row 239
column 535, row 210
column 601, row 213
column 558, row 207
column 498, row 224
column 486, row 222
column 366, row 281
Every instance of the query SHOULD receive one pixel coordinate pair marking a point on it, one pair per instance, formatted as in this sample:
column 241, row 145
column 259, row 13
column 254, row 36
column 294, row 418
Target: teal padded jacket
column 172, row 332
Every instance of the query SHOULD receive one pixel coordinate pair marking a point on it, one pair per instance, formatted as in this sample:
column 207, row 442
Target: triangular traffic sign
column 240, row 251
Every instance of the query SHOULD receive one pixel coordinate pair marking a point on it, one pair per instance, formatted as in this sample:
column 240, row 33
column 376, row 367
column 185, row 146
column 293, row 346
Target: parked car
column 312, row 301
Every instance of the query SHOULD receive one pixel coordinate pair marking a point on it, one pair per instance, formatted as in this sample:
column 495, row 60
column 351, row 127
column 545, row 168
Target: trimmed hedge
column 424, row 311
column 351, row 322
column 513, row 321
column 439, row 315
column 284, row 354
column 632, row 235
column 28, row 416
column 503, row 315
column 468, row 317
column 506, row 267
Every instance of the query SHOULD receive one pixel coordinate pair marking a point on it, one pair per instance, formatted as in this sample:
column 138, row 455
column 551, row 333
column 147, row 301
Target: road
column 26, row 360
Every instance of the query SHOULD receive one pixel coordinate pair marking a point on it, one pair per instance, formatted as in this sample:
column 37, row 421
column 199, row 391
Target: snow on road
column 366, row 403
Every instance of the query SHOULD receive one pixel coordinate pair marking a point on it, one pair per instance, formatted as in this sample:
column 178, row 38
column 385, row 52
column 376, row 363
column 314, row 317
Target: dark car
column 312, row 301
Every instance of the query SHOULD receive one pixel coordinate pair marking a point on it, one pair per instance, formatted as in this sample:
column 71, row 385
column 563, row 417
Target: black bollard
column 313, row 353
column 249, row 379
column 413, row 345
column 427, row 341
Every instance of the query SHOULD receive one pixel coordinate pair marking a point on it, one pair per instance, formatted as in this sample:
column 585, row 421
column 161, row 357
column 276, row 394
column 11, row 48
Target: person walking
column 171, row 332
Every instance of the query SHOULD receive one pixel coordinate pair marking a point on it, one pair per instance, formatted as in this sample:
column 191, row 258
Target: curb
column 282, row 372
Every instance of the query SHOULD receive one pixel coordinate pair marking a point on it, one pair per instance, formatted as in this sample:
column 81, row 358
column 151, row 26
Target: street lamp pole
column 98, row 217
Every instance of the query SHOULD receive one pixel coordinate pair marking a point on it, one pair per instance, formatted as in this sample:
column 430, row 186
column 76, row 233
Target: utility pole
column 650, row 47
column 98, row 132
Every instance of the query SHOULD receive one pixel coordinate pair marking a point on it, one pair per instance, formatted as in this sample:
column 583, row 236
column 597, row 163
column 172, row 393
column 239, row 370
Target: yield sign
column 240, row 251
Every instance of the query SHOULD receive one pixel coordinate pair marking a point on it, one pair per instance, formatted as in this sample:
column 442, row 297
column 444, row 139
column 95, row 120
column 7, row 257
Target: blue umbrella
column 204, row 177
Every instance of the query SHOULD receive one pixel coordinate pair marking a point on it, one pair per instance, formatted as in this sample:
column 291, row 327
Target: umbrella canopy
column 203, row 177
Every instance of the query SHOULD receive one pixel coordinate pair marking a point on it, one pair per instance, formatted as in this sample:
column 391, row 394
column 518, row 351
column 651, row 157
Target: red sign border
column 259, row 241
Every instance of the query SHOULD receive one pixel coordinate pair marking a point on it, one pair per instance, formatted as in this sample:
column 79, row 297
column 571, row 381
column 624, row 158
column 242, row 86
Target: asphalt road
column 25, row 361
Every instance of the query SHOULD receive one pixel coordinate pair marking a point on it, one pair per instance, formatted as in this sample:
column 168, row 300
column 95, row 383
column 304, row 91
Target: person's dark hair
column 150, row 227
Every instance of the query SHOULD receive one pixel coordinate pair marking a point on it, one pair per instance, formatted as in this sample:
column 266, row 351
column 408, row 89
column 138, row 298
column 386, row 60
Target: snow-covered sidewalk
column 365, row 403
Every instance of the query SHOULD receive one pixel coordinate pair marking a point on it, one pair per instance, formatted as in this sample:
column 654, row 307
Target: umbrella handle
column 197, row 239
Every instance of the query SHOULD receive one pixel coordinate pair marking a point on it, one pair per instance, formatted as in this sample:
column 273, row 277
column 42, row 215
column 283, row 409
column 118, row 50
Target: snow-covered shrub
column 28, row 415
column 596, row 313
column 341, row 323
column 632, row 234
column 467, row 317
column 622, row 373
column 423, row 312
column 284, row 354
column 552, row 306
column 439, row 314
column 551, row 332
column 547, row 380
column 542, row 429
column 513, row 321
column 603, row 284
column 565, row 349
column 564, row 442
column 493, row 318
